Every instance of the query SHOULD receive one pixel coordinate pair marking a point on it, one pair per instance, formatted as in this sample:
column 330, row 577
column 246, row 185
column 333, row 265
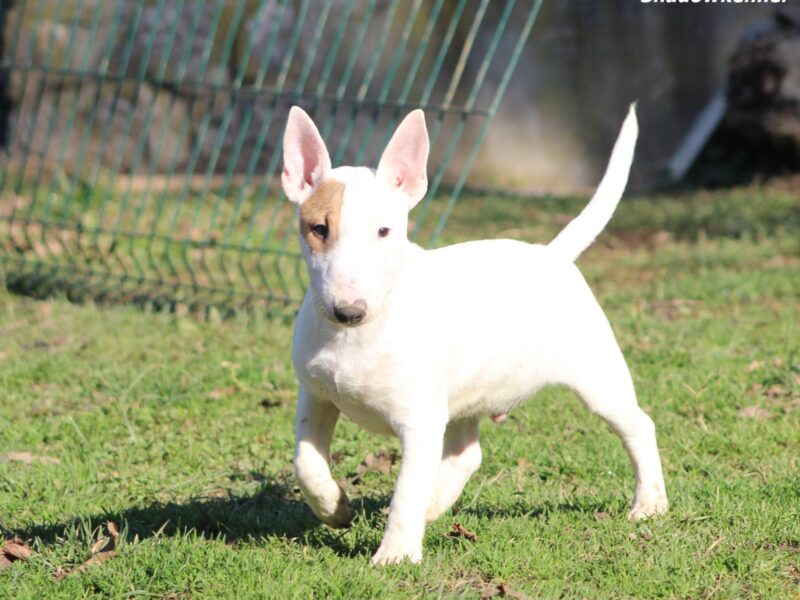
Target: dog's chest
column 357, row 380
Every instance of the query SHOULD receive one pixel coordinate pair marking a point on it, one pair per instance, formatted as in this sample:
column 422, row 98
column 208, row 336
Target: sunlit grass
column 179, row 430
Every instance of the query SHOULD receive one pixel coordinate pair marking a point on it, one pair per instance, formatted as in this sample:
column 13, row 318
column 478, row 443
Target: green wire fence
column 141, row 138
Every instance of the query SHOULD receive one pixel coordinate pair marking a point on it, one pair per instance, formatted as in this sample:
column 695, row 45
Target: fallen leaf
column 793, row 571
column 376, row 463
column 753, row 412
column 98, row 545
column 757, row 364
column 28, row 458
column 23, row 457
column 222, row 392
column 460, row 531
column 102, row 550
column 12, row 551
column 674, row 308
column 776, row 391
column 523, row 465
column 786, row 546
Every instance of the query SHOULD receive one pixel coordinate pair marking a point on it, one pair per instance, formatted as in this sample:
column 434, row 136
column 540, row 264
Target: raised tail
column 581, row 231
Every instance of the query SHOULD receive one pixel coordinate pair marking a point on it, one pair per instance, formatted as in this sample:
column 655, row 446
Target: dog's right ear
column 305, row 158
column 404, row 162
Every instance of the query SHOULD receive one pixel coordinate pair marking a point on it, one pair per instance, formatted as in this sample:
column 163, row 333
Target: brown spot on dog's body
column 323, row 207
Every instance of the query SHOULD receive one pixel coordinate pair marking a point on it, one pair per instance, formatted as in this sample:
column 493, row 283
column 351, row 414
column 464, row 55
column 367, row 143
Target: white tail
column 581, row 231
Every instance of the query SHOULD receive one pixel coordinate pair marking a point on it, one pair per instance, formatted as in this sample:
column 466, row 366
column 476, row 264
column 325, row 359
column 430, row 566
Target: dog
column 424, row 343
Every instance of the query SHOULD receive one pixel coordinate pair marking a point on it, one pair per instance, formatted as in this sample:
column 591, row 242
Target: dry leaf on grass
column 776, row 391
column 222, row 392
column 460, row 531
column 376, row 463
column 754, row 366
column 793, row 571
column 792, row 547
column 502, row 590
column 28, row 458
column 12, row 551
column 757, row 364
column 102, row 550
column 753, row 412
column 674, row 308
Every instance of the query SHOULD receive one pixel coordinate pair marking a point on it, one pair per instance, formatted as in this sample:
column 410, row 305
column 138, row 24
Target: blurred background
column 144, row 135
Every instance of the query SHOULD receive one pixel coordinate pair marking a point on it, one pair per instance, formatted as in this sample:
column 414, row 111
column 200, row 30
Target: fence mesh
column 141, row 138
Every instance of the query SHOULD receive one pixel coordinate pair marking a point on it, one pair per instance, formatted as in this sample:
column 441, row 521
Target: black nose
column 350, row 313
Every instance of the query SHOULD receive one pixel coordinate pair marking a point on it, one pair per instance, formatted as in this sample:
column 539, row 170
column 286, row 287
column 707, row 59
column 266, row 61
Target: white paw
column 649, row 506
column 392, row 552
column 338, row 514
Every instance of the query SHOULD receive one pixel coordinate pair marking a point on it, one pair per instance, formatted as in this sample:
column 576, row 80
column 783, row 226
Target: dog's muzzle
column 350, row 314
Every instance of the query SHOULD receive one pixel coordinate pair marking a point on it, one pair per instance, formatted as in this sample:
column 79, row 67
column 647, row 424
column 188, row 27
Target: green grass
column 180, row 431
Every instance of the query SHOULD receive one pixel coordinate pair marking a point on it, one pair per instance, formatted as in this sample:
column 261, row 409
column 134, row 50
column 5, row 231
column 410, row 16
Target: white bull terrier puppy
column 423, row 343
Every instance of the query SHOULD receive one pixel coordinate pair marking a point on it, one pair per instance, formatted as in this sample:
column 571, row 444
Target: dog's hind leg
column 315, row 422
column 607, row 390
column 461, row 457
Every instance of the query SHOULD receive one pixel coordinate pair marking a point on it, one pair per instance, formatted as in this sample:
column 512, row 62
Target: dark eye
column 321, row 231
column 383, row 232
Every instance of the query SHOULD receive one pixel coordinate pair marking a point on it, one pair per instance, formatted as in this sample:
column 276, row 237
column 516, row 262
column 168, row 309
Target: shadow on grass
column 521, row 509
column 273, row 511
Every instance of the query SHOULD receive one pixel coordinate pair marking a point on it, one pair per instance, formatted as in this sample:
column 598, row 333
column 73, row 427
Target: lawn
column 177, row 431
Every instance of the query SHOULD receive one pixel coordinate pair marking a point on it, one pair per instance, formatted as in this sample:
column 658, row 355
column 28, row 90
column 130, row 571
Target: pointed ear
column 404, row 162
column 305, row 158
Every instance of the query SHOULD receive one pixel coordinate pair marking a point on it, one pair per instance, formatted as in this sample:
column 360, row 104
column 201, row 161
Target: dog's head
column 353, row 220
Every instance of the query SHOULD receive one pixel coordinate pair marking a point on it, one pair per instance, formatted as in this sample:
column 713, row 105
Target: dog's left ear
column 405, row 161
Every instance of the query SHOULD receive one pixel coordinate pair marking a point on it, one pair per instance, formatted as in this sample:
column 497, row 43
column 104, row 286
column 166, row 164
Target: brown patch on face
column 322, row 208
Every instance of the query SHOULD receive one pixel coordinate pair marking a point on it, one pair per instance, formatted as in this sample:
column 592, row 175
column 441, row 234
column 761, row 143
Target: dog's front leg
column 315, row 422
column 422, row 452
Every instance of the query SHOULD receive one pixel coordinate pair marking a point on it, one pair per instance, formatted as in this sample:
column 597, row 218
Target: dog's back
column 513, row 315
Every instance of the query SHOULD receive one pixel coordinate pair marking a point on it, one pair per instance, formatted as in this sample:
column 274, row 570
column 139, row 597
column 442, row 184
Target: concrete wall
column 587, row 59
